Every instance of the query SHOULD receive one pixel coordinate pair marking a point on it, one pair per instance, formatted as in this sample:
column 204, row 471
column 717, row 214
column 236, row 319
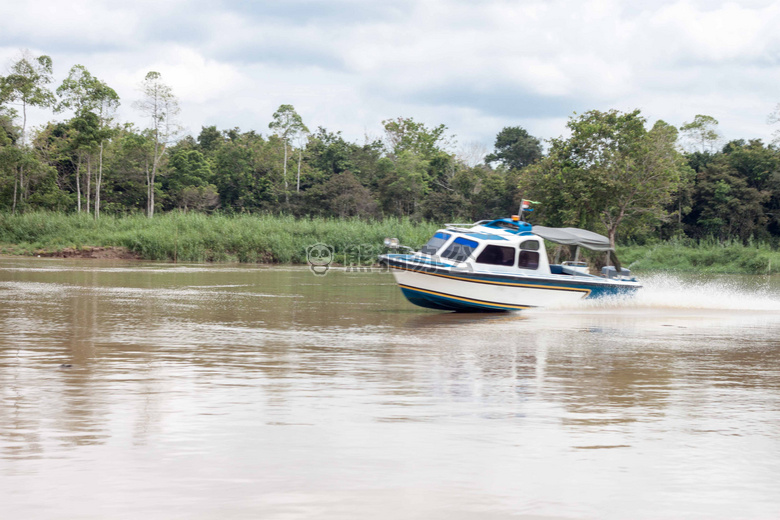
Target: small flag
column 527, row 203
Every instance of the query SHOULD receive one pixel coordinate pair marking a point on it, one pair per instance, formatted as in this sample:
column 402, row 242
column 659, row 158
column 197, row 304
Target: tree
column 77, row 91
column 10, row 160
column 343, row 196
column 210, row 139
column 405, row 183
column 287, row 124
column 494, row 193
column 25, row 86
column 752, row 161
column 243, row 171
column 189, row 180
column 84, row 93
column 735, row 194
column 9, row 152
column 472, row 154
column 404, row 134
column 74, row 95
column 43, row 188
column 86, row 138
column 702, row 132
column 128, row 164
column 725, row 205
column 107, row 102
column 609, row 170
column 330, row 153
column 515, row 148
column 302, row 138
column 162, row 107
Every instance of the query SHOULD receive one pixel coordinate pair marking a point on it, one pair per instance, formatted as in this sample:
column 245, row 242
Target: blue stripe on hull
column 448, row 302
column 592, row 289
column 602, row 292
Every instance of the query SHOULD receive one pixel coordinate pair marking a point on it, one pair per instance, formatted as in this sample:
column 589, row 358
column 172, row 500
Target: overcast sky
column 473, row 65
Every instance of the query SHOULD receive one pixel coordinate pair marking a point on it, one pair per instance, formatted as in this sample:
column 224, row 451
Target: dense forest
column 614, row 173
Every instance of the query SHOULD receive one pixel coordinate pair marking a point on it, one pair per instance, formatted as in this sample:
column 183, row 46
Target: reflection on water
column 156, row 390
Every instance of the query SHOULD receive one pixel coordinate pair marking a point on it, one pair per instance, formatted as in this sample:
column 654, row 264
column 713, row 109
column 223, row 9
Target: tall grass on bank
column 703, row 256
column 195, row 237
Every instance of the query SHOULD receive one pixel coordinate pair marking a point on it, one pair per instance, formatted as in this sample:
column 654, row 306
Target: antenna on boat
column 520, row 211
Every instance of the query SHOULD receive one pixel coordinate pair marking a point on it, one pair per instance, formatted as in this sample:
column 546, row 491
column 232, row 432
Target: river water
column 160, row 391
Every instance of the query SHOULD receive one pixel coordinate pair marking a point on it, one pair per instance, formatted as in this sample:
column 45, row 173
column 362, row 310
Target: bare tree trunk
column 19, row 182
column 300, row 156
column 21, row 168
column 24, row 121
column 78, row 184
column 611, row 234
column 16, row 183
column 148, row 190
column 89, row 182
column 22, row 188
column 151, row 193
column 286, row 194
column 97, row 196
column 150, row 177
column 151, row 189
column 98, row 182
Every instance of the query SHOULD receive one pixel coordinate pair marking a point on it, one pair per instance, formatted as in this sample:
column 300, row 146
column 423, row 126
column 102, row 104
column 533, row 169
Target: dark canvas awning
column 573, row 237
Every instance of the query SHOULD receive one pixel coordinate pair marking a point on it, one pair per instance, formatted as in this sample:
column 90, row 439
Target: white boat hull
column 519, row 296
column 448, row 288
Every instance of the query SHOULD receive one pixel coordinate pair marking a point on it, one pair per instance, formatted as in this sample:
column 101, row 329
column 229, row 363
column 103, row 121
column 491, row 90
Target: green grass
column 195, row 237
column 705, row 256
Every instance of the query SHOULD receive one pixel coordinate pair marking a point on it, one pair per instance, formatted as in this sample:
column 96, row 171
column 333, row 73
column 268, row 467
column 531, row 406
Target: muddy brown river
column 162, row 391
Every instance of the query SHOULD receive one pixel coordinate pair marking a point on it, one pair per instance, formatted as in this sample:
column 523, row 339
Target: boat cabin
column 510, row 246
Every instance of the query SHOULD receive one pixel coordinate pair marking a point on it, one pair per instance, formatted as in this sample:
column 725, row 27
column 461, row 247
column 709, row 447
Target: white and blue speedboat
column 503, row 265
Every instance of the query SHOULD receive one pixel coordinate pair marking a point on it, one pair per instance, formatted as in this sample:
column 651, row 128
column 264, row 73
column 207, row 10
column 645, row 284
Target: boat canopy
column 574, row 237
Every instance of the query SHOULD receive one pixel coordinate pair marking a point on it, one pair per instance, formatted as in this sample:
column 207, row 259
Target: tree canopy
column 515, row 148
column 611, row 169
column 614, row 172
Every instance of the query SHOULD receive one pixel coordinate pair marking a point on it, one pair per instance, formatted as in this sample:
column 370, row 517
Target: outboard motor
column 612, row 273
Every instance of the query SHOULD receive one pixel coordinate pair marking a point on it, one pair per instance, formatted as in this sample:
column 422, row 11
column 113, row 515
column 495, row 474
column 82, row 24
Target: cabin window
column 528, row 260
column 532, row 245
column 460, row 249
column 497, row 255
column 435, row 243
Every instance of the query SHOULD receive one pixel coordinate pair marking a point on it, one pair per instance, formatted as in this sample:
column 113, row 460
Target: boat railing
column 453, row 225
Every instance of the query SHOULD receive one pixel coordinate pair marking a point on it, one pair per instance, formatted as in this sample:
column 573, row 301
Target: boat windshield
column 460, row 249
column 435, row 243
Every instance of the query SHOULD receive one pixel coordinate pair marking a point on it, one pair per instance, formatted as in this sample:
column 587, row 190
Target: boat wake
column 670, row 292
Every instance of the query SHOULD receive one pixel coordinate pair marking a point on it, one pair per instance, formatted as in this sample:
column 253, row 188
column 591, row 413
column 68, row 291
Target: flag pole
column 522, row 219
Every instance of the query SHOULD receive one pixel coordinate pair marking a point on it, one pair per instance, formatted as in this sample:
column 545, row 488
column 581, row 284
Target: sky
column 475, row 66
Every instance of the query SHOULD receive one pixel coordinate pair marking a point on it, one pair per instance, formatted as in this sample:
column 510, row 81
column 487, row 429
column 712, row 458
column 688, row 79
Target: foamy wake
column 674, row 292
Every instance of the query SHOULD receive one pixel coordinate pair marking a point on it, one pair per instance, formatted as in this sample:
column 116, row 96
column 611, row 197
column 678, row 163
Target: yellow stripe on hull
column 510, row 284
column 469, row 300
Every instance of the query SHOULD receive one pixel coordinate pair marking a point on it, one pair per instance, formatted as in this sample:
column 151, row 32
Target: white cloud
column 721, row 35
column 475, row 66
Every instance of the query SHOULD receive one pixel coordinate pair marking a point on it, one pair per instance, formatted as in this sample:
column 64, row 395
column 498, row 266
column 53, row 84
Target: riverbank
column 705, row 256
column 195, row 237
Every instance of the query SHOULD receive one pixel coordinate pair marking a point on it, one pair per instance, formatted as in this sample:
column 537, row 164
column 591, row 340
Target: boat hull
column 446, row 288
